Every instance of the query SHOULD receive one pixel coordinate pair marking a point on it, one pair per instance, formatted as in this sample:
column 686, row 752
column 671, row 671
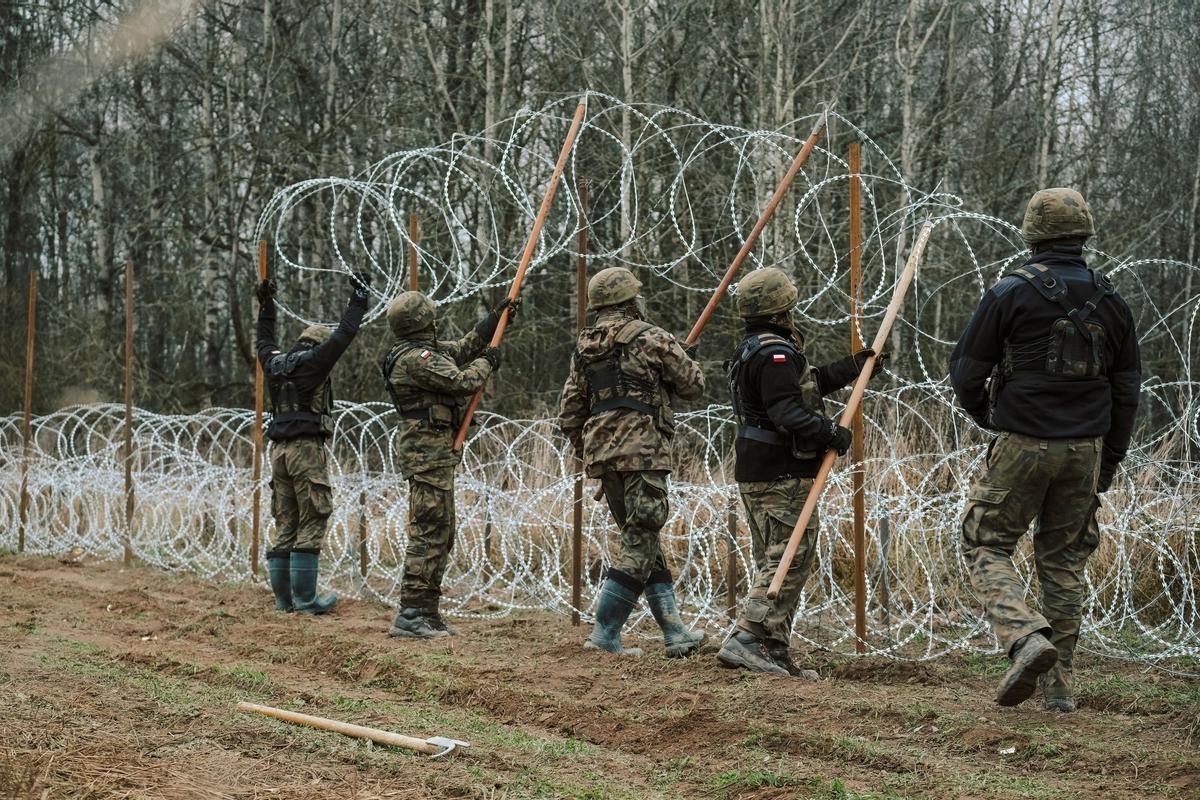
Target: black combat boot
column 435, row 618
column 279, row 570
column 660, row 596
column 781, row 655
column 304, row 567
column 618, row 597
column 744, row 649
column 416, row 623
column 1032, row 655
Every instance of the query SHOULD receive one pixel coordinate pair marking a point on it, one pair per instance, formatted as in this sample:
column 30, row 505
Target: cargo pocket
column 981, row 515
column 321, row 496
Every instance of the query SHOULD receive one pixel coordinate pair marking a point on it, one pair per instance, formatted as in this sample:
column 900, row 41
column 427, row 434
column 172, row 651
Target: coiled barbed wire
column 515, row 491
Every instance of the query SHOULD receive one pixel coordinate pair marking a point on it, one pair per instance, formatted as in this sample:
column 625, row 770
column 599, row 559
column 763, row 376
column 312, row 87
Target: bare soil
column 122, row 683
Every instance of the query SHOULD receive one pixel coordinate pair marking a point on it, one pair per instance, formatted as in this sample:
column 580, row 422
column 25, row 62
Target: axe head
column 445, row 746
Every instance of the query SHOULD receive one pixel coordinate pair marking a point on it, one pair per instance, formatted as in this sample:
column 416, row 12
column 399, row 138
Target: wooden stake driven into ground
column 526, row 257
column 256, row 502
column 757, row 230
column 27, row 416
column 414, row 264
column 128, row 413
column 581, row 279
column 856, row 452
column 856, row 396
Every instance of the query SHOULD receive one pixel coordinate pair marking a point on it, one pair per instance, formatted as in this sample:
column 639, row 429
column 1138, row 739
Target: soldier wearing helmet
column 1050, row 362
column 430, row 382
column 783, row 433
column 301, row 419
column 616, row 411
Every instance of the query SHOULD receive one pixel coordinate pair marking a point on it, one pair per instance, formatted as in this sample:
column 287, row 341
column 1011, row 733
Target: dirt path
column 122, row 683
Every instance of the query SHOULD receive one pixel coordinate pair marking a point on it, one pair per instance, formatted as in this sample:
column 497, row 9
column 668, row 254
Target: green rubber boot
column 660, row 596
column 618, row 597
column 279, row 570
column 304, row 568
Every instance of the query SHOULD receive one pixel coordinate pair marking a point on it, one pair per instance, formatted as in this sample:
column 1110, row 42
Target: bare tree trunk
column 100, row 221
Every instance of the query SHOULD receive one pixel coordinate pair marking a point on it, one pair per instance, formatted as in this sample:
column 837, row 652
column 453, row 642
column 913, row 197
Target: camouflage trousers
column 1052, row 482
column 772, row 508
column 301, row 497
column 638, row 501
column 430, row 536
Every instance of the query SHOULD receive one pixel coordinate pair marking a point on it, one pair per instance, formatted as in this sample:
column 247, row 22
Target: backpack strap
column 747, row 350
column 1054, row 289
column 631, row 330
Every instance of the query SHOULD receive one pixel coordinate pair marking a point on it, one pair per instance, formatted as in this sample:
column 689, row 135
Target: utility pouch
column 1071, row 354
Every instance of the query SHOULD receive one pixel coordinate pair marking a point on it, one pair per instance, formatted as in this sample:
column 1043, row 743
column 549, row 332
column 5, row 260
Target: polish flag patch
column 425, row 354
column 779, row 358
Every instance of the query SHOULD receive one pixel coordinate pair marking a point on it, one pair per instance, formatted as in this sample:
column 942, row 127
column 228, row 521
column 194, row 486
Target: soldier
column 301, row 419
column 783, row 434
column 616, row 411
column 1058, row 346
column 430, row 382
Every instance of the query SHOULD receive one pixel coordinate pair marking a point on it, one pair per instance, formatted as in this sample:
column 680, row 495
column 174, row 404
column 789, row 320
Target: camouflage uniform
column 301, row 497
column 1050, row 359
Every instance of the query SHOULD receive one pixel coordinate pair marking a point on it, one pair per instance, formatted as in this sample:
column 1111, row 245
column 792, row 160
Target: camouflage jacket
column 430, row 383
column 622, row 439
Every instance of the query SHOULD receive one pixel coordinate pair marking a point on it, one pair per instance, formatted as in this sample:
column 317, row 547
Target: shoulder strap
column 286, row 363
column 632, row 330
column 751, row 346
column 1055, row 290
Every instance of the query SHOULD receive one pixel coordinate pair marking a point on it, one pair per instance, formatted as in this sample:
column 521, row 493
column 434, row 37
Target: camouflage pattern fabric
column 764, row 293
column 430, row 536
column 772, row 508
column 301, row 496
column 611, row 286
column 1052, row 481
column 638, row 501
column 1056, row 214
column 449, row 368
column 620, row 440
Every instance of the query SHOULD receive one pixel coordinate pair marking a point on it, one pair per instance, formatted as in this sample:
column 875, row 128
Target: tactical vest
column 760, row 428
column 413, row 402
column 611, row 385
column 1075, row 346
column 288, row 402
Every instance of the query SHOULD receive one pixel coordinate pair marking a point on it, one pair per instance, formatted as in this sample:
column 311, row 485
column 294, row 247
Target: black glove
column 492, row 356
column 1107, row 473
column 266, row 292
column 860, row 360
column 486, row 328
column 360, row 283
column 840, row 438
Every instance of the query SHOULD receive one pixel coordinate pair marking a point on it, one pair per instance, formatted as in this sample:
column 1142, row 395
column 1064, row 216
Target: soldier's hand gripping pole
column 757, row 230
column 856, row 396
column 526, row 257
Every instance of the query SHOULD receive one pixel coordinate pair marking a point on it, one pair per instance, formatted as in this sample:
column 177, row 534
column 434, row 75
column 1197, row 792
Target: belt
column 761, row 435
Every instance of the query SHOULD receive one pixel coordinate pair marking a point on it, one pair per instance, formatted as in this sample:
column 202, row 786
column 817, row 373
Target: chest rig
column 1075, row 347
column 413, row 402
column 291, row 403
column 753, row 423
column 612, row 385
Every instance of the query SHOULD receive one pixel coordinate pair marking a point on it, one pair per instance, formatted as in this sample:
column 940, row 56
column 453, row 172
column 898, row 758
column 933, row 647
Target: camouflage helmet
column 611, row 286
column 410, row 312
column 764, row 293
column 1056, row 214
column 317, row 334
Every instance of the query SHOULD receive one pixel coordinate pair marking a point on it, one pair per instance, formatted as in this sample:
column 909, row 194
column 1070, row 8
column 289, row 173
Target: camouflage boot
column 616, row 603
column 279, row 569
column 781, row 655
column 303, row 573
column 744, row 649
column 416, row 623
column 1032, row 656
column 680, row 642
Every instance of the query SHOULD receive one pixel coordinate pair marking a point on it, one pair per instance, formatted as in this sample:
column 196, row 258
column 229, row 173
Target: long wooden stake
column 757, row 230
column 344, row 728
column 27, row 417
column 857, row 450
column 128, row 413
column 362, row 534
column 731, row 568
column 581, row 279
column 256, row 502
column 414, row 264
column 856, row 396
column 526, row 257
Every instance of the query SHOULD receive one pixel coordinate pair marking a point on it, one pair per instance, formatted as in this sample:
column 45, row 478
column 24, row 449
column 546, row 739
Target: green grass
column 1120, row 693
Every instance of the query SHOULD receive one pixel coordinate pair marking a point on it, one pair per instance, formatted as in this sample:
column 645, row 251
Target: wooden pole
column 857, row 449
column 27, row 418
column 526, row 257
column 256, row 502
column 581, row 279
column 856, row 395
column 731, row 569
column 414, row 264
column 757, row 230
column 362, row 534
column 128, row 413
column 344, row 728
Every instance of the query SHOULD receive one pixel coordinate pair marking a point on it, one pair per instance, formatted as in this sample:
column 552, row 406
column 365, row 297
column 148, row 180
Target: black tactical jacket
column 1014, row 315
column 779, row 391
column 312, row 374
